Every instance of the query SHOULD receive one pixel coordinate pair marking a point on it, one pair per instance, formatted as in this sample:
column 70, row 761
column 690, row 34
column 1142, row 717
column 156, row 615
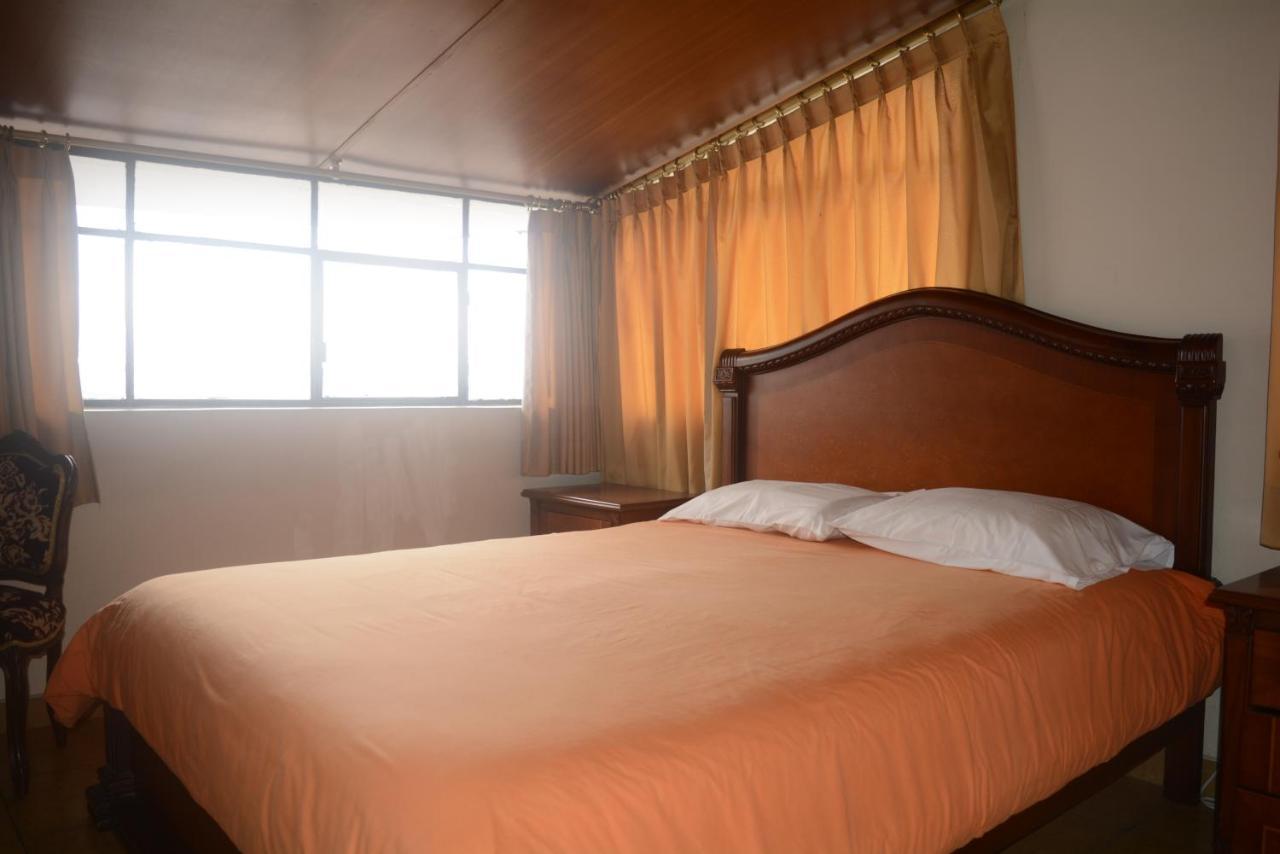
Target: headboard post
column 945, row 387
column 1199, row 378
column 728, row 382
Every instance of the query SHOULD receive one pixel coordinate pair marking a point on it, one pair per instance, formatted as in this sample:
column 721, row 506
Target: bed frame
column 940, row 387
column 928, row 388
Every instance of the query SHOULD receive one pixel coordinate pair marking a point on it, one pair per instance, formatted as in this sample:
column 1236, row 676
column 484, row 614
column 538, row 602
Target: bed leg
column 116, row 790
column 1184, row 758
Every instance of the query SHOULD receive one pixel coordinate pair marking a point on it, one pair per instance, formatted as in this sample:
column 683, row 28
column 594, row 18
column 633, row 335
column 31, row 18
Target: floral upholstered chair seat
column 29, row 619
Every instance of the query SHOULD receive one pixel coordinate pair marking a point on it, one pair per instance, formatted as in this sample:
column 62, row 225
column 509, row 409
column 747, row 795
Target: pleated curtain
column 39, row 321
column 904, row 177
column 567, row 257
column 1271, row 469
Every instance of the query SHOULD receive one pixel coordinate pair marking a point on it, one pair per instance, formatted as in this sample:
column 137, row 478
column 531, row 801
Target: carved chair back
column 36, row 490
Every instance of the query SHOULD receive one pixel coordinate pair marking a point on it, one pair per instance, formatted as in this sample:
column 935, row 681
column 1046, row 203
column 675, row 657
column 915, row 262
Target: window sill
column 275, row 406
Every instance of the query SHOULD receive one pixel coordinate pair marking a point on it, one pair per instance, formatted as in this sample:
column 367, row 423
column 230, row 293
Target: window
column 390, row 331
column 204, row 286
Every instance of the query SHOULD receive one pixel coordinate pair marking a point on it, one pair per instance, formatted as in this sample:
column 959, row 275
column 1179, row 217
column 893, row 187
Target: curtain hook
column 932, row 39
column 849, row 79
column 44, row 140
column 826, row 98
column 904, row 55
column 828, row 102
column 714, row 157
column 964, row 29
column 879, row 74
column 939, row 76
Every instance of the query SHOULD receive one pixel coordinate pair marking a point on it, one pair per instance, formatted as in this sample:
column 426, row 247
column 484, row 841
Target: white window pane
column 390, row 331
column 495, row 335
column 102, row 320
column 498, row 234
column 389, row 222
column 182, row 200
column 99, row 192
column 212, row 322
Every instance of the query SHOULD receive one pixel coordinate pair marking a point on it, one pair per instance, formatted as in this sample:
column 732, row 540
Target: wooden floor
column 52, row 817
column 1131, row 817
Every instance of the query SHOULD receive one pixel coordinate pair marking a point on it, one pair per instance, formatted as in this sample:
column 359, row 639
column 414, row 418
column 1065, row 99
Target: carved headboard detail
column 942, row 387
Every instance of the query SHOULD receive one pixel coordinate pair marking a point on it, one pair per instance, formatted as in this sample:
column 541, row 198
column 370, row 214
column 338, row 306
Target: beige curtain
column 561, row 415
column 39, row 375
column 905, row 178
column 656, row 393
column 1271, row 471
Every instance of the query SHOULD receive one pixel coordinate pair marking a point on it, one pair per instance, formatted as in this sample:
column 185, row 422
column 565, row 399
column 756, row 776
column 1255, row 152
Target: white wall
column 197, row 489
column 1147, row 176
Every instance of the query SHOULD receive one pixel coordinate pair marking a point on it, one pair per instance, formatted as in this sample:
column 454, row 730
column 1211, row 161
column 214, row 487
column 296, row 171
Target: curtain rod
column 43, row 138
column 563, row 205
column 858, row 68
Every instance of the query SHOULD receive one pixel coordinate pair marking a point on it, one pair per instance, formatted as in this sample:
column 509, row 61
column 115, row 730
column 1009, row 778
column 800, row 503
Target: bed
column 666, row 686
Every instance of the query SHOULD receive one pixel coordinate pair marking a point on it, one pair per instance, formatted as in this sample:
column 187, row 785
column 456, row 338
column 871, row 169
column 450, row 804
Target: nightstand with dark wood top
column 1248, row 790
column 555, row 509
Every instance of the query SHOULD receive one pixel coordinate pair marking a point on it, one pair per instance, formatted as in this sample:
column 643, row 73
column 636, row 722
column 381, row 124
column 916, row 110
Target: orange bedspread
column 655, row 687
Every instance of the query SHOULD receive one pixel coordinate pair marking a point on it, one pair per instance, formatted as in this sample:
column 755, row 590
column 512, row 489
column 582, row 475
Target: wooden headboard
column 942, row 387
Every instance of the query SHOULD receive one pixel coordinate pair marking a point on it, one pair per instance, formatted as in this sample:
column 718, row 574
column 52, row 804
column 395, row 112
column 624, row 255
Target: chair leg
column 16, row 697
column 51, row 661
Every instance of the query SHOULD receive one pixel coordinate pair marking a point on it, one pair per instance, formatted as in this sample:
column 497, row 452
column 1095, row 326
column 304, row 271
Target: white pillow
column 1015, row 533
column 806, row 511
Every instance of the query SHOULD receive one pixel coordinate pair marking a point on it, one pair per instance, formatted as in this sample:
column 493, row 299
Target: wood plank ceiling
column 553, row 97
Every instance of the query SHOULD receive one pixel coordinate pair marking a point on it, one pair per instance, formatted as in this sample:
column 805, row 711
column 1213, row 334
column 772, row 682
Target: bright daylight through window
column 203, row 285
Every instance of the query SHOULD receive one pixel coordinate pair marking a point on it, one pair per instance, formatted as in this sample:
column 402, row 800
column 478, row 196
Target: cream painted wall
column 196, row 489
column 1147, row 175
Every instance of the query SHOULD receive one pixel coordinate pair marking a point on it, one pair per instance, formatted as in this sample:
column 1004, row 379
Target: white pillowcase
column 1015, row 533
column 806, row 511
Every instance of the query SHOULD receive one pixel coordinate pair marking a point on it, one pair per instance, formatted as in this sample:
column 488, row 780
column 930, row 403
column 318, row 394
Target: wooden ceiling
column 552, row 97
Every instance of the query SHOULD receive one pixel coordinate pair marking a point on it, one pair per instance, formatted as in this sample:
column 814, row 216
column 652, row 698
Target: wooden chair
column 36, row 490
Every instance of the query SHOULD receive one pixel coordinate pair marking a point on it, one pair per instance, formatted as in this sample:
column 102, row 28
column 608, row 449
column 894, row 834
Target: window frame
column 317, row 257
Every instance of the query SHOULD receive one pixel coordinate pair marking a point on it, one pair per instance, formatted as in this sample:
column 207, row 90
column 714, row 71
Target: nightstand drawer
column 1260, row 758
column 1257, row 825
column 1264, row 671
column 549, row 521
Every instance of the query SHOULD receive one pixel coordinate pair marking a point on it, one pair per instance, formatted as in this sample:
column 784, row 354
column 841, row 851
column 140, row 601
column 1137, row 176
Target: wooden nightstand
column 1248, row 791
column 600, row 505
